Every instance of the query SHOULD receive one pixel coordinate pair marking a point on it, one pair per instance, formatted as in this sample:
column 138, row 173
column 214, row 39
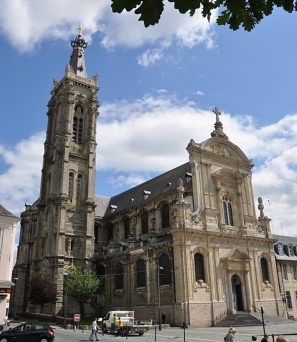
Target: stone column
column 247, row 276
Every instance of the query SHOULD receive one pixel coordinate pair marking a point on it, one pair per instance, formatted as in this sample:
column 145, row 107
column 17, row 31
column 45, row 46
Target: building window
column 109, row 231
column 126, row 227
column 77, row 126
column 284, row 272
column 119, row 277
column 70, row 186
column 164, row 215
column 164, row 265
column 144, row 222
column 100, row 270
column 289, row 300
column 228, row 213
column 79, row 188
column 199, row 267
column 96, row 232
column 294, row 271
column 49, row 181
column 264, row 268
column 140, row 273
column 278, row 248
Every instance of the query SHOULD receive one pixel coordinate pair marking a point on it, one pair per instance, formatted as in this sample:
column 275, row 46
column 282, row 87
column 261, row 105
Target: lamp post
column 159, row 300
column 65, row 281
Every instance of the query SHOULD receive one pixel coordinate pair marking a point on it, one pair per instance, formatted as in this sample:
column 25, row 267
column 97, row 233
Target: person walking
column 112, row 323
column 94, row 331
column 120, row 327
column 265, row 338
column 230, row 336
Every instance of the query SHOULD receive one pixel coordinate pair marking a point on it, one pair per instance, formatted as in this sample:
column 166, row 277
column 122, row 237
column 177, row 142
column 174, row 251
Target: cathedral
column 188, row 245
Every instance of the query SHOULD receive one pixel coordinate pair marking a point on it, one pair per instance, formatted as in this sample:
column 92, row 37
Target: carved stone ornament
column 196, row 216
column 202, row 283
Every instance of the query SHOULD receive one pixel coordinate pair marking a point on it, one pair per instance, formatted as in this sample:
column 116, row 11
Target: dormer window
column 113, row 208
column 188, row 177
column 146, row 194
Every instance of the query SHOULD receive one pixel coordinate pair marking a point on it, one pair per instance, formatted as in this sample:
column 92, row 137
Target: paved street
column 191, row 334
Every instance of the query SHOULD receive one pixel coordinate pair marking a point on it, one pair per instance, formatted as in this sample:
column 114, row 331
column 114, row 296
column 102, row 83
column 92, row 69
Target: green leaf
column 150, row 11
column 119, row 5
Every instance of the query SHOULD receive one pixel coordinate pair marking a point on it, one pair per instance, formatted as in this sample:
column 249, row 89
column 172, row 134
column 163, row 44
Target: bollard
column 155, row 333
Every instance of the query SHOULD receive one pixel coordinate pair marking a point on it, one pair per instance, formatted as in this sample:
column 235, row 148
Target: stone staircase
column 240, row 319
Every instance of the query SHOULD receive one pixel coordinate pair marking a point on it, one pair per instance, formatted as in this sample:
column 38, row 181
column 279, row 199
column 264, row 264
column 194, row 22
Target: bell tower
column 65, row 224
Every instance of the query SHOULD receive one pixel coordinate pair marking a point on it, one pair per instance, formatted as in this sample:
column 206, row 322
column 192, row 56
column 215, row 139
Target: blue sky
column 158, row 87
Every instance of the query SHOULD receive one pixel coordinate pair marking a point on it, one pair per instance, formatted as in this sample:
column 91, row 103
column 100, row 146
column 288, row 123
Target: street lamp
column 65, row 281
column 158, row 288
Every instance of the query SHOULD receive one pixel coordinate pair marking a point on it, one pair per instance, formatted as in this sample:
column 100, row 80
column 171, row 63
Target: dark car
column 28, row 332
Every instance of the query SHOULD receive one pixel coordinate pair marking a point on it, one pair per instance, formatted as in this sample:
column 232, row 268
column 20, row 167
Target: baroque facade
column 187, row 244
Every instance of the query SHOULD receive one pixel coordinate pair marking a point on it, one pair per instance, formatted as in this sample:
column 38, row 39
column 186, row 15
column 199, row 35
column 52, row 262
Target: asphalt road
column 179, row 335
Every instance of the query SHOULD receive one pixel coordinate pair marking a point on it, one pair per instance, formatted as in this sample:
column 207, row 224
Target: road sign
column 76, row 318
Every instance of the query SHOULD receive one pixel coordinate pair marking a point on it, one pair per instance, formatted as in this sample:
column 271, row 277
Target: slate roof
column 159, row 186
column 102, row 203
column 5, row 212
column 286, row 239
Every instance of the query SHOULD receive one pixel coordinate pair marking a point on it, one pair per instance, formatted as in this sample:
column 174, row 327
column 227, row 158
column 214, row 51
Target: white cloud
column 20, row 183
column 26, row 23
column 138, row 139
column 151, row 134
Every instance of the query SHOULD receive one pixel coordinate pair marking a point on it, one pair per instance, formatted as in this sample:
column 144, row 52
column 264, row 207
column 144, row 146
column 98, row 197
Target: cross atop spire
column 217, row 113
column 77, row 58
column 218, row 131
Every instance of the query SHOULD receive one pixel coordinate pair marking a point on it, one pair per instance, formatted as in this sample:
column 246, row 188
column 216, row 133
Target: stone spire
column 218, row 131
column 77, row 58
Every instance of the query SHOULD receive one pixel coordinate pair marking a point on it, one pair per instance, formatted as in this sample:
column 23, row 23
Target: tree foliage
column 82, row 284
column 235, row 13
column 42, row 291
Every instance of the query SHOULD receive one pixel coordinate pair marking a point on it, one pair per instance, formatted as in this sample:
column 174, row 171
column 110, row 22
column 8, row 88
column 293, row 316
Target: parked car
column 25, row 332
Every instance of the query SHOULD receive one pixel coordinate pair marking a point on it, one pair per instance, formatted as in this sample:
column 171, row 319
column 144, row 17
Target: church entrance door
column 237, row 293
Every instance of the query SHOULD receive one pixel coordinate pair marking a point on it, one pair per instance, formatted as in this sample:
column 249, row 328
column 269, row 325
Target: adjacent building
column 285, row 250
column 8, row 223
column 186, row 246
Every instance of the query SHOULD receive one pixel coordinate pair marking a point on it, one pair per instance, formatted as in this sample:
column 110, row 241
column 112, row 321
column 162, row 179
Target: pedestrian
column 112, row 323
column 94, row 331
column 230, row 336
column 265, row 338
column 120, row 327
column 282, row 339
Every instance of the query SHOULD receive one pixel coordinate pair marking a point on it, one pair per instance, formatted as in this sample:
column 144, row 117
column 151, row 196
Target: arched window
column 77, row 126
column 228, row 213
column 164, row 215
column 79, row 187
column 96, row 231
column 126, row 224
column 199, row 267
column 70, row 186
column 144, row 222
column 100, row 270
column 140, row 273
column 49, row 181
column 264, row 268
column 164, row 265
column 119, row 277
column 110, row 229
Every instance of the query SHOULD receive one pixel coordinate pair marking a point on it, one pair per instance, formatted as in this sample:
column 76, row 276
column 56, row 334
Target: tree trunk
column 82, row 310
